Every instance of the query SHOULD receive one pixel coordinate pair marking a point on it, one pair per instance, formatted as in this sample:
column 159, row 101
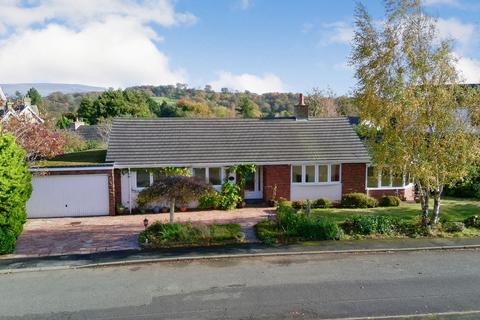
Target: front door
column 253, row 185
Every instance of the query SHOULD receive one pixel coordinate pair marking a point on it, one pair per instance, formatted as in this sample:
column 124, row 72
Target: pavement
column 390, row 285
column 87, row 235
column 131, row 257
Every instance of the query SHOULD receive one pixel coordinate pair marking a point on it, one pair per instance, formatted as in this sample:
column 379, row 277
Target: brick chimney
column 301, row 109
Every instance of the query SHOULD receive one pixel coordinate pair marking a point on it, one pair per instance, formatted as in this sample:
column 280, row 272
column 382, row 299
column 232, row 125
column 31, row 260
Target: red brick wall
column 117, row 186
column 276, row 175
column 353, row 177
column 406, row 194
column 111, row 182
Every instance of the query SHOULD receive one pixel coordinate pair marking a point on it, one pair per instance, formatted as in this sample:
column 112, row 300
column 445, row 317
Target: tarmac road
column 326, row 286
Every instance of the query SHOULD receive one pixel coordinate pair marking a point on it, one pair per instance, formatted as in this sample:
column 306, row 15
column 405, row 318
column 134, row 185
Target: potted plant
column 121, row 209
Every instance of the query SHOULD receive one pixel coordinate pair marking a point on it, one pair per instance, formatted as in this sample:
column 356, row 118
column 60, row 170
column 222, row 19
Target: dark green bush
column 472, row 222
column 453, row 226
column 299, row 204
column 358, row 200
column 322, row 203
column 317, row 229
column 365, row 225
column 15, row 190
column 389, row 201
column 299, row 225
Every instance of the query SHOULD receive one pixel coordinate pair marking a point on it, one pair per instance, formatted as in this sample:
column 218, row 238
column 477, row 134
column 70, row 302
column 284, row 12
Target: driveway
column 61, row 236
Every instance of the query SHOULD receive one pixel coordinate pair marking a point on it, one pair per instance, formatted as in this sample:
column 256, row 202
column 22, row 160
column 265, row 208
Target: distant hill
column 47, row 88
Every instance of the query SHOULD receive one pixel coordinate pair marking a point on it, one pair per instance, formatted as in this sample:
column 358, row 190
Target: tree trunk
column 436, row 206
column 172, row 210
column 425, row 206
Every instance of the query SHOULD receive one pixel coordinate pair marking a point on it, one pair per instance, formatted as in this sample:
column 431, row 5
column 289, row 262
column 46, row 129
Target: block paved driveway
column 60, row 236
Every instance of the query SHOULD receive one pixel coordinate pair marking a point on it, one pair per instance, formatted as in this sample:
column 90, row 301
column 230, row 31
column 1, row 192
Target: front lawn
column 452, row 209
column 161, row 235
column 379, row 222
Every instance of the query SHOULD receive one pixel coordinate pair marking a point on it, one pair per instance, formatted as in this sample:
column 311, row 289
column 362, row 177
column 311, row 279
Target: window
column 323, row 173
column 372, row 178
column 335, row 173
column 143, row 178
column 215, row 176
column 309, row 174
column 200, row 173
column 297, row 174
column 386, row 178
column 397, row 181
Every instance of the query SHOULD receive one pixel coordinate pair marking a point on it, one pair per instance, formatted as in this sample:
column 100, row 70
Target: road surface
column 301, row 287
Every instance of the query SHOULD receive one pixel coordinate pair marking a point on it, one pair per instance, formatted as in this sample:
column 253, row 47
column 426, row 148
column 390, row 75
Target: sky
column 256, row 45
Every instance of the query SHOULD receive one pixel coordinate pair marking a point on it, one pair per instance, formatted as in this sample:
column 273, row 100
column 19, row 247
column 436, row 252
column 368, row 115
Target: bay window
column 385, row 179
column 312, row 173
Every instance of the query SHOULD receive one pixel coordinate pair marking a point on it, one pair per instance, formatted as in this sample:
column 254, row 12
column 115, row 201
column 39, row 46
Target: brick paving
column 62, row 236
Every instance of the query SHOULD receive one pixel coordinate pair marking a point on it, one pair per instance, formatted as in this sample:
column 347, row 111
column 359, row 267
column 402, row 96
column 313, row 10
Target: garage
column 69, row 196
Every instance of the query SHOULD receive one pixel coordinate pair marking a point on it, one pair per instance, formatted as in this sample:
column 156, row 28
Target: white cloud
column 337, row 33
column 112, row 45
column 258, row 84
column 469, row 68
column 80, row 13
column 454, row 29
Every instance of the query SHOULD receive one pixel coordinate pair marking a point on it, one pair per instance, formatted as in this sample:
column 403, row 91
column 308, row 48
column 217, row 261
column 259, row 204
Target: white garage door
column 69, row 196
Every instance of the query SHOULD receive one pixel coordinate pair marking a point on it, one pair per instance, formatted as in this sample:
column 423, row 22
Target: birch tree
column 408, row 97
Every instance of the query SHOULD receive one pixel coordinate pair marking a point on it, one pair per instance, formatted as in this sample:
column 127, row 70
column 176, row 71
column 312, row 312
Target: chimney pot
column 301, row 100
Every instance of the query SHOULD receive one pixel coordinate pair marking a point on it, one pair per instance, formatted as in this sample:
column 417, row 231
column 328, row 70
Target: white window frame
column 207, row 174
column 317, row 182
column 379, row 186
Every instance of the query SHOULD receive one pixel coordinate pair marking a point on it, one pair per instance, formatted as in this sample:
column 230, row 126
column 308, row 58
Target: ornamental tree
column 408, row 98
column 15, row 190
column 175, row 189
column 37, row 140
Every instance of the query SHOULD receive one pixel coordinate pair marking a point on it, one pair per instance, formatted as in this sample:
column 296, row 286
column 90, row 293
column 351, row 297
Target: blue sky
column 256, row 45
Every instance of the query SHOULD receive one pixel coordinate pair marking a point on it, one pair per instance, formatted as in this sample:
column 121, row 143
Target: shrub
column 15, row 190
column 211, row 200
column 358, row 200
column 453, row 226
column 230, row 196
column 322, row 203
column 299, row 204
column 366, row 225
column 389, row 201
column 177, row 234
column 267, row 231
column 318, row 229
column 293, row 224
column 285, row 202
column 473, row 221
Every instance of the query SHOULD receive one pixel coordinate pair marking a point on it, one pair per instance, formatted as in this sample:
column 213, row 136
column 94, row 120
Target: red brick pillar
column 117, row 186
column 353, row 177
column 279, row 175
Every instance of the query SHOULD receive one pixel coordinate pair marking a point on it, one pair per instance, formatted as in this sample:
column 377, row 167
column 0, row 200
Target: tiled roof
column 184, row 142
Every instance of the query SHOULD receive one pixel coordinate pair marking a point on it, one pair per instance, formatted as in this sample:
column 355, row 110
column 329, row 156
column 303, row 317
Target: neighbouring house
column 89, row 132
column 18, row 109
column 296, row 158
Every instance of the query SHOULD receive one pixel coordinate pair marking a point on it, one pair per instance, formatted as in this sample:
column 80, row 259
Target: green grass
column 169, row 101
column 89, row 157
column 160, row 235
column 451, row 209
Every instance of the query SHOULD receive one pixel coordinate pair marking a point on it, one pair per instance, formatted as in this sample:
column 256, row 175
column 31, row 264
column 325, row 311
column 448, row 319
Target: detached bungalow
column 297, row 158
